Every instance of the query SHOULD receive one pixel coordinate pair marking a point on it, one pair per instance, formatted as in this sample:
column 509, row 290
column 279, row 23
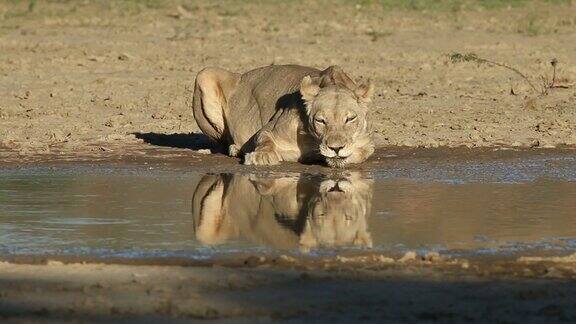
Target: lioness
column 285, row 113
column 286, row 212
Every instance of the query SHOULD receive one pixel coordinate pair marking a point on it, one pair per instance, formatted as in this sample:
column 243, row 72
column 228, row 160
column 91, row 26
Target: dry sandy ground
column 89, row 77
column 369, row 288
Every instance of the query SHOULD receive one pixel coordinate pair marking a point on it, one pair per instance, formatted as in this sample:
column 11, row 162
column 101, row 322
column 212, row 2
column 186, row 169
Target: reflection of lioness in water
column 285, row 113
column 284, row 212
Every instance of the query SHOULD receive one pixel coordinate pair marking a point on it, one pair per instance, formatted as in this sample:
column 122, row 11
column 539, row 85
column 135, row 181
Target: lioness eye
column 319, row 121
column 351, row 119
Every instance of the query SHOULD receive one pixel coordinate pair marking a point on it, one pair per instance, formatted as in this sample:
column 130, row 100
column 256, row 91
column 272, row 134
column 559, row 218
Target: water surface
column 500, row 206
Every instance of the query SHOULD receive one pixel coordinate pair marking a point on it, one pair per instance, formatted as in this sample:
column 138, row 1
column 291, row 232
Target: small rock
column 433, row 257
column 409, row 256
column 287, row 258
column 125, row 57
column 426, row 67
column 342, row 259
column 54, row 263
column 252, row 261
column 96, row 58
column 384, row 259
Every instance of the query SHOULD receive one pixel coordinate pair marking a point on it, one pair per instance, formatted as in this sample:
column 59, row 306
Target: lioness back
column 257, row 95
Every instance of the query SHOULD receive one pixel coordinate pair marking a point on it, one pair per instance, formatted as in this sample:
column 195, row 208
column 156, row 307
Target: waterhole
column 500, row 206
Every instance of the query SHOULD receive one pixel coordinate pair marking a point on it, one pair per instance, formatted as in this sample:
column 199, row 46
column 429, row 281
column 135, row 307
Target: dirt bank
column 85, row 77
column 373, row 288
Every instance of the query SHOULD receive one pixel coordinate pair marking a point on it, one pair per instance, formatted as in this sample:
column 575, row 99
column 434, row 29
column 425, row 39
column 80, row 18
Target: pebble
column 408, row 256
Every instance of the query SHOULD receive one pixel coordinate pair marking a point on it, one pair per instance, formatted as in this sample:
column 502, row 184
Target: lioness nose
column 336, row 149
column 336, row 188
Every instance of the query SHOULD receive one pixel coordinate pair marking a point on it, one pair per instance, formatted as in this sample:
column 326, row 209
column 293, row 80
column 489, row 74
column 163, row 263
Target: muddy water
column 499, row 206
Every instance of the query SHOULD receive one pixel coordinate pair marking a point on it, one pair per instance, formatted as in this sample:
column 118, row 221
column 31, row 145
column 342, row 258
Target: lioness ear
column 336, row 76
column 309, row 88
column 365, row 91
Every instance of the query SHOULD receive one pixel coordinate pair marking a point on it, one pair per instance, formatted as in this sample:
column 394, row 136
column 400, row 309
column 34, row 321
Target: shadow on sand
column 385, row 298
column 192, row 141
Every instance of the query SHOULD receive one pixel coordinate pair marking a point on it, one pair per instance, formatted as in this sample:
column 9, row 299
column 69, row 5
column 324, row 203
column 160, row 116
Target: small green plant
column 31, row 5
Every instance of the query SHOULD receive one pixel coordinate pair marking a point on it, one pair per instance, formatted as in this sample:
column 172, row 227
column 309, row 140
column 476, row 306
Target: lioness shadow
column 192, row 141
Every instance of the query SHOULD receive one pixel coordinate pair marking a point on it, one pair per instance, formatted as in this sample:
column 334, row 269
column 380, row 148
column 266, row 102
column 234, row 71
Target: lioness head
column 336, row 108
column 337, row 214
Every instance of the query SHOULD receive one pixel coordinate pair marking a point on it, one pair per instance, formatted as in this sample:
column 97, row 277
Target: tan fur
column 285, row 113
column 337, row 217
column 285, row 212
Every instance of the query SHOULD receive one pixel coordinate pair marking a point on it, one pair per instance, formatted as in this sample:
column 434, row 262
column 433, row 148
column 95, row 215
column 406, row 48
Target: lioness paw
column 261, row 158
column 362, row 154
column 233, row 150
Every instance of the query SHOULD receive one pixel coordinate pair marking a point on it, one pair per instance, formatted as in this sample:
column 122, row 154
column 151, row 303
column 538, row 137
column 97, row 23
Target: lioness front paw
column 262, row 158
column 233, row 150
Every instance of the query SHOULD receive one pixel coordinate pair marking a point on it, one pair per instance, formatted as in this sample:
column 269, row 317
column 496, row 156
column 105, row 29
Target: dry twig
column 546, row 84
